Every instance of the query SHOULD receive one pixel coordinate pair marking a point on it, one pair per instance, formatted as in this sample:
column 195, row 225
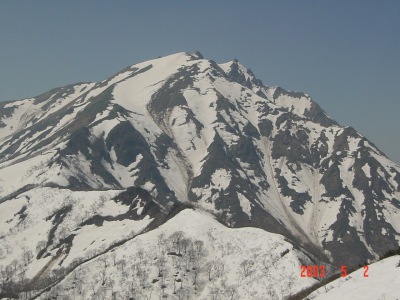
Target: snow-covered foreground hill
column 194, row 256
column 111, row 252
column 382, row 283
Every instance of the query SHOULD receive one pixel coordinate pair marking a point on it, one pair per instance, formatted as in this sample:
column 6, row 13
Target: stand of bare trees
column 176, row 267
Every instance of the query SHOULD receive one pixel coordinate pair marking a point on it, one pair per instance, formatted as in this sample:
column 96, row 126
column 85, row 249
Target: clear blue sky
column 345, row 54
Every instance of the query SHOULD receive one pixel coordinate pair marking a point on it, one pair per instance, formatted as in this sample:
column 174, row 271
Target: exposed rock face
column 183, row 129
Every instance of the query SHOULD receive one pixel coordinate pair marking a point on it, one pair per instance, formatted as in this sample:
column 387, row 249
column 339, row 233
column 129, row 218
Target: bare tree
column 231, row 292
column 290, row 283
column 93, row 286
column 266, row 261
column 209, row 267
column 199, row 246
column 54, row 293
column 103, row 261
column 22, row 278
column 163, row 286
column 110, row 285
column 161, row 242
column 196, row 273
column 27, row 255
column 79, row 284
column 188, row 260
column 176, row 238
column 174, row 283
column 245, row 267
column 270, row 290
column 229, row 248
column 121, row 265
column 101, row 293
column 185, row 243
column 15, row 264
column 143, row 275
column 3, row 275
column 103, row 276
column 179, row 280
column 133, row 288
column 219, row 268
column 140, row 255
column 211, row 238
column 183, row 294
column 8, row 249
column 114, row 257
column 160, row 263
column 214, row 292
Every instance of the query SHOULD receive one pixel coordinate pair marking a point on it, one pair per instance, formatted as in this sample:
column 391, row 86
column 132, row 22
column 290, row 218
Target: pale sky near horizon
column 344, row 54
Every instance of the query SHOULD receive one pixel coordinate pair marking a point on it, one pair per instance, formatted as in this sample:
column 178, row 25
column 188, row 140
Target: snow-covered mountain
column 90, row 169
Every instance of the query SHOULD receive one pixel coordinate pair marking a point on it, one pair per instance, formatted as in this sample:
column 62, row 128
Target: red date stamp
column 319, row 271
column 312, row 271
column 344, row 271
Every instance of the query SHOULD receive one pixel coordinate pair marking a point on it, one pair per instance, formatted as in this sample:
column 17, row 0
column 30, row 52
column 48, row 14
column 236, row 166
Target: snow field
column 19, row 174
column 296, row 105
column 382, row 283
column 126, row 176
column 23, row 232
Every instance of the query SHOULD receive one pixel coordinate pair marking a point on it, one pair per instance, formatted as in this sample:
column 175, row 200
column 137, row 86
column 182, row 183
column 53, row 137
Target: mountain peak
column 197, row 54
column 241, row 74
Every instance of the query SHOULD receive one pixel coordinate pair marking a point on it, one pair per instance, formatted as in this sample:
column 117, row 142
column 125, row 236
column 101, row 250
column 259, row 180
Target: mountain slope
column 184, row 131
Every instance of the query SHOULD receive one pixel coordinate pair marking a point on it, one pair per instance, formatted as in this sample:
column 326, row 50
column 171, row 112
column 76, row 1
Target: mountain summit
column 183, row 132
